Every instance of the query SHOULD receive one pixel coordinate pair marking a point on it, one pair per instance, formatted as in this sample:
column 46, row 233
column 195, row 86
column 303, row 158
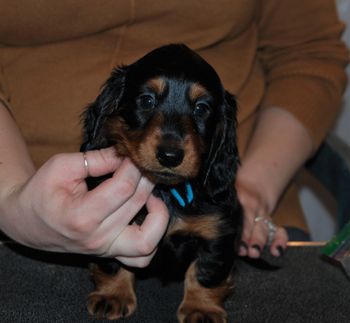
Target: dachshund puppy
column 169, row 113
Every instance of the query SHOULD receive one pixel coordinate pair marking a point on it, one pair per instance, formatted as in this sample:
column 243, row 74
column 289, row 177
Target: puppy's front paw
column 199, row 315
column 111, row 307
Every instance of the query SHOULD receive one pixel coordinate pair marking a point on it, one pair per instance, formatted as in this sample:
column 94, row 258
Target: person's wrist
column 8, row 188
column 260, row 179
column 8, row 212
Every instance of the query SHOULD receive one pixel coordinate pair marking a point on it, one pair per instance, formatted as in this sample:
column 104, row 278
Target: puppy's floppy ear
column 223, row 157
column 96, row 114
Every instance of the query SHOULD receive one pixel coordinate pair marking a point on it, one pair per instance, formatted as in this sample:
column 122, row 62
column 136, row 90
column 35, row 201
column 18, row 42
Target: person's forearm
column 16, row 165
column 279, row 146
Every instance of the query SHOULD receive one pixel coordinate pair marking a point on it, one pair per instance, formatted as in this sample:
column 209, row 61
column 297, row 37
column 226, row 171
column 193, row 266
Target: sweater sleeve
column 303, row 60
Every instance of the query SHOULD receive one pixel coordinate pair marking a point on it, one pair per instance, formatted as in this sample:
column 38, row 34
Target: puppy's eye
column 146, row 101
column 201, row 110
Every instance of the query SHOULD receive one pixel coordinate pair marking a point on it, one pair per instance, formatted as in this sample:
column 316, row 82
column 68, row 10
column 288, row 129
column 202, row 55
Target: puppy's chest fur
column 188, row 230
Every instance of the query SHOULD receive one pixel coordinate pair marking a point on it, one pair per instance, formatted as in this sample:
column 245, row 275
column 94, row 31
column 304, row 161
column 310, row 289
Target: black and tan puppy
column 170, row 114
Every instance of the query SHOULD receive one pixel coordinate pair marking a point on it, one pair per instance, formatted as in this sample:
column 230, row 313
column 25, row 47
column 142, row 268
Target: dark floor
column 43, row 287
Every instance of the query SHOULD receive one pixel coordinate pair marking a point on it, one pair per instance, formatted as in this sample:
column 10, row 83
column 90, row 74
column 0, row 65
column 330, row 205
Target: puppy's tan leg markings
column 202, row 304
column 114, row 296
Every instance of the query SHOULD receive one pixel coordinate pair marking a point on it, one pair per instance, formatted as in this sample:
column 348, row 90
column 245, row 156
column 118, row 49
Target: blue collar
column 179, row 198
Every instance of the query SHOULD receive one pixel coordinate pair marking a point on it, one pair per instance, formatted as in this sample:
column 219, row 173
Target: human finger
column 141, row 240
column 258, row 238
column 100, row 162
column 138, row 262
column 77, row 166
column 248, row 226
column 124, row 215
column 111, row 194
column 279, row 244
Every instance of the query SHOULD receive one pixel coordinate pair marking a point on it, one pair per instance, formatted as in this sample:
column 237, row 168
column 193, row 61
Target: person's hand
column 53, row 210
column 279, row 146
column 255, row 221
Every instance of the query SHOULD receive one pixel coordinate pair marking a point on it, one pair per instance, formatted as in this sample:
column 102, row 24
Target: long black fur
column 214, row 190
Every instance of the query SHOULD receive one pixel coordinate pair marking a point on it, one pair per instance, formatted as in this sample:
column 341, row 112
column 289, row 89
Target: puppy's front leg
column 114, row 296
column 202, row 304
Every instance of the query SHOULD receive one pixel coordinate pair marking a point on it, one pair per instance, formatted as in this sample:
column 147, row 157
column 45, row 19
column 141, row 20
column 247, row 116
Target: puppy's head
column 168, row 112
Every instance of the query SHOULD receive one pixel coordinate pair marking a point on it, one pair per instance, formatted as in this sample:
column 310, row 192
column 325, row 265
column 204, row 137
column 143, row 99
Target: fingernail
column 243, row 248
column 280, row 250
column 257, row 247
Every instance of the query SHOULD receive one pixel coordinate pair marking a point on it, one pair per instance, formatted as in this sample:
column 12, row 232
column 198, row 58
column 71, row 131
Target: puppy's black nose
column 170, row 156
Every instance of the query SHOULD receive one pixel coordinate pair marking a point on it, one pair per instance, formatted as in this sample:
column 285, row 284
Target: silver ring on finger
column 272, row 228
column 86, row 164
column 272, row 231
column 259, row 218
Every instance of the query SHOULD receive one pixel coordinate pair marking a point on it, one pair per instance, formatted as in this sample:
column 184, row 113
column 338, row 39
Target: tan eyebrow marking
column 157, row 84
column 197, row 91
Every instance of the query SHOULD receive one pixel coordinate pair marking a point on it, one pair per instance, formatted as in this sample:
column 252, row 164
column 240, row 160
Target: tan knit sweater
column 54, row 56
